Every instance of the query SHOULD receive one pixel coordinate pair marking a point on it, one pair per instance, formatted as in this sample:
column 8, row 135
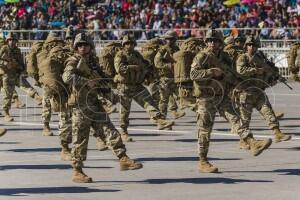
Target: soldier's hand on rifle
column 217, row 72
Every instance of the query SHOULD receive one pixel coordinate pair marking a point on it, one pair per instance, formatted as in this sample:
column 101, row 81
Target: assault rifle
column 274, row 70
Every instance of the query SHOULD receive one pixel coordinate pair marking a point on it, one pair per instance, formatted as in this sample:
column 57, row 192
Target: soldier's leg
column 29, row 90
column 165, row 94
column 9, row 82
column 264, row 106
column 154, row 91
column 124, row 117
column 172, row 105
column 114, row 142
column 186, row 99
column 46, row 113
column 65, row 133
column 144, row 99
column 205, row 119
column 80, row 137
column 16, row 100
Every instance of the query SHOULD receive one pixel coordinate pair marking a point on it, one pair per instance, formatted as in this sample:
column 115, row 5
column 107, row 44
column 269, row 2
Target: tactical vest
column 295, row 49
column 11, row 59
column 132, row 76
column 106, row 58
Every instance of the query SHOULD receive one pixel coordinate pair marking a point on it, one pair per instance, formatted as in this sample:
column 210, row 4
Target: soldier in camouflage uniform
column 258, row 76
column 87, row 109
column 11, row 67
column 211, row 76
column 131, row 69
column 293, row 58
column 164, row 62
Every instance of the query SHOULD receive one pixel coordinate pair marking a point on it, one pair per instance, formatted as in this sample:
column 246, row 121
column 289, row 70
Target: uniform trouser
column 8, row 86
column 65, row 126
column 94, row 117
column 46, row 111
column 207, row 108
column 24, row 85
column 186, row 98
column 260, row 101
column 142, row 96
column 167, row 89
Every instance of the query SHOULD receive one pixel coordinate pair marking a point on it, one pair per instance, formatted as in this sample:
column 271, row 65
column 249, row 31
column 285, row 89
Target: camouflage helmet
column 53, row 37
column 127, row 39
column 170, row 35
column 82, row 38
column 214, row 34
column 251, row 40
column 70, row 33
column 11, row 36
column 229, row 40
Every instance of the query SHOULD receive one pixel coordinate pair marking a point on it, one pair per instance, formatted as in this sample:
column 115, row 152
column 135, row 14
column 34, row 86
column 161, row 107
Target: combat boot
column 257, row 146
column 206, row 167
column 80, row 177
column 125, row 137
column 2, row 131
column 128, row 164
column 47, row 130
column 178, row 115
column 163, row 124
column 19, row 103
column 101, row 145
column 279, row 136
column 279, row 115
column 39, row 99
column 65, row 153
column 244, row 145
column 7, row 116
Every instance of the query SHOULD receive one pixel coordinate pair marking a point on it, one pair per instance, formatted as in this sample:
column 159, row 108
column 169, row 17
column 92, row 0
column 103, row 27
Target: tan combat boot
column 279, row 136
column 178, row 115
column 7, row 116
column 163, row 124
column 244, row 145
column 128, row 164
column 125, row 137
column 80, row 177
column 257, row 146
column 279, row 115
column 47, row 130
column 65, row 153
column 2, row 131
column 101, row 145
column 39, row 99
column 205, row 167
column 19, row 103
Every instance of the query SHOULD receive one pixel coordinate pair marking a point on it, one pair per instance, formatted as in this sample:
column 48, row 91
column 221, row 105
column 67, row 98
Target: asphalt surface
column 30, row 165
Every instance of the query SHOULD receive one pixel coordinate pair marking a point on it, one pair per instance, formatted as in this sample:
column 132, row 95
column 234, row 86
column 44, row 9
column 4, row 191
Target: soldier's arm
column 291, row 59
column 70, row 76
column 160, row 61
column 198, row 68
column 120, row 63
column 243, row 67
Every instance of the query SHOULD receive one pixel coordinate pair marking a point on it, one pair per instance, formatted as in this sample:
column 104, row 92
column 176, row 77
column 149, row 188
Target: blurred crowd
column 273, row 19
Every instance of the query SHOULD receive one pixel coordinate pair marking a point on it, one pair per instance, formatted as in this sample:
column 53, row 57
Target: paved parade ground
column 30, row 165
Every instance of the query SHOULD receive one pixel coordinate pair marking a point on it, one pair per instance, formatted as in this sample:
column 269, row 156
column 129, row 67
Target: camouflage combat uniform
column 253, row 87
column 210, row 91
column 88, row 112
column 130, row 76
column 293, row 58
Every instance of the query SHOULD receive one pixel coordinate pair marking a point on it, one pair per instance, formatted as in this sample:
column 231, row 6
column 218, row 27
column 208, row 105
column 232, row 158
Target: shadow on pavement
column 49, row 190
column 35, row 150
column 212, row 140
column 181, row 159
column 39, row 167
column 295, row 172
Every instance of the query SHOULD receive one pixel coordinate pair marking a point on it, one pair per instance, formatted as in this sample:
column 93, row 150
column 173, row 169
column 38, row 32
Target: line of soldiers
column 201, row 75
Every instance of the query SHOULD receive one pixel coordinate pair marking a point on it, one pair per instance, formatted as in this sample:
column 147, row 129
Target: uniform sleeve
column 70, row 76
column 198, row 68
column 243, row 67
column 291, row 59
column 120, row 63
column 159, row 60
